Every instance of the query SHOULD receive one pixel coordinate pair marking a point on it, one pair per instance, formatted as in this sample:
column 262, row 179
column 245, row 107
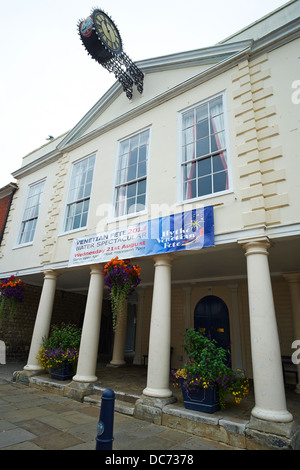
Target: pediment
column 163, row 75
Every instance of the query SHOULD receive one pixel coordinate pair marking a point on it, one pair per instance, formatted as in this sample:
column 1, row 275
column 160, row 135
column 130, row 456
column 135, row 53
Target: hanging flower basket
column 121, row 278
column 12, row 292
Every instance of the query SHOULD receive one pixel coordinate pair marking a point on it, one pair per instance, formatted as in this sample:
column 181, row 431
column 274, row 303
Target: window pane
column 76, row 223
column 219, row 162
column 131, row 190
column 141, row 202
column 204, row 186
column 142, row 187
column 143, row 153
column 131, row 174
column 188, row 152
column 216, row 106
column 217, row 141
column 187, row 119
column 202, row 147
column 220, row 180
column 202, row 113
column 188, row 136
column 84, row 219
column 204, row 167
column 142, row 169
column 202, row 129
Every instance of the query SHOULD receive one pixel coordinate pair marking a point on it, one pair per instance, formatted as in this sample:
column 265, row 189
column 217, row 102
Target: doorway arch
column 212, row 317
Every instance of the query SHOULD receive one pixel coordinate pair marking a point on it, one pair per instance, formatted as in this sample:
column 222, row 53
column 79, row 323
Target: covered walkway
column 231, row 426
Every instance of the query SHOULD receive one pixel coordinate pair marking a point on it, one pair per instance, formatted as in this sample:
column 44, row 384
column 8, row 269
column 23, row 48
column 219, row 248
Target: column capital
column 96, row 268
column 51, row 274
column 257, row 245
column 164, row 259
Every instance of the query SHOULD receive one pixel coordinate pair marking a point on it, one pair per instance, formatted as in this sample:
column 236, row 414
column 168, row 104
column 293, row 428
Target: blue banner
column 191, row 230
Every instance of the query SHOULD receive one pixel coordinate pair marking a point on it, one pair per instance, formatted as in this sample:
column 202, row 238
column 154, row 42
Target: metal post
column 106, row 421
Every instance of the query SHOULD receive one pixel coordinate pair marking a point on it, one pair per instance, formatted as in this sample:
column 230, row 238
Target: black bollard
column 106, row 421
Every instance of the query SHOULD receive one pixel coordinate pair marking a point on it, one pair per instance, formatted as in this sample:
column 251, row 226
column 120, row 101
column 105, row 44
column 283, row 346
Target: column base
column 116, row 363
column 78, row 390
column 262, row 434
column 151, row 409
column 283, row 416
column 85, row 378
column 157, row 392
column 33, row 368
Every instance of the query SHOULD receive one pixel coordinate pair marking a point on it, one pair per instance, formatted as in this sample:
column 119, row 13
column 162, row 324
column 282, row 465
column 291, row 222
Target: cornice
column 207, row 55
column 37, row 164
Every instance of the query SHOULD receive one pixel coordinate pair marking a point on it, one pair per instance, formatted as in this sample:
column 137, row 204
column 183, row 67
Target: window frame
column 183, row 163
column 69, row 202
column 136, row 180
column 20, row 243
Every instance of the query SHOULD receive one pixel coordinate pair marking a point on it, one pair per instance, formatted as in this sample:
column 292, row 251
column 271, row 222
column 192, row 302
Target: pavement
column 35, row 419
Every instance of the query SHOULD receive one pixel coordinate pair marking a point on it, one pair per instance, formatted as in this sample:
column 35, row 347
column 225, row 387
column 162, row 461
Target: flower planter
column 203, row 399
column 63, row 372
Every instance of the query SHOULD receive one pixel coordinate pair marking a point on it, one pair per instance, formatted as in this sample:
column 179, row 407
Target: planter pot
column 203, row 399
column 63, row 372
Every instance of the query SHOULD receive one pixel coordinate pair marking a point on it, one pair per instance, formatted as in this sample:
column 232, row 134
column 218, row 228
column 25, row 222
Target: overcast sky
column 47, row 80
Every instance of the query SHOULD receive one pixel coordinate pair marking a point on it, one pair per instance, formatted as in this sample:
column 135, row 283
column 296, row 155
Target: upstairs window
column 78, row 200
column 204, row 151
column 31, row 213
column 131, row 179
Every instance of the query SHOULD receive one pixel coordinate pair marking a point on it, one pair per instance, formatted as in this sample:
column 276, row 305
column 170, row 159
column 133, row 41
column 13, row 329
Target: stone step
column 122, row 396
column 123, row 407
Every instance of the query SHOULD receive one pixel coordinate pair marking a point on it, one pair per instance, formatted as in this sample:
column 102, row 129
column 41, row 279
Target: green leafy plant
column 60, row 347
column 121, row 278
column 208, row 367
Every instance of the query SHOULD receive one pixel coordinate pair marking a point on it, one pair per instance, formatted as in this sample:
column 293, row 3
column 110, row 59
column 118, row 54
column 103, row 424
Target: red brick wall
column 4, row 205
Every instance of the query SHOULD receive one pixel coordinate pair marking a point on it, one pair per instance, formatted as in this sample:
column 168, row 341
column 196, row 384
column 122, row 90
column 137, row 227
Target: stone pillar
column 294, row 285
column 137, row 360
column 160, row 331
column 43, row 320
column 88, row 352
column 270, row 401
column 120, row 339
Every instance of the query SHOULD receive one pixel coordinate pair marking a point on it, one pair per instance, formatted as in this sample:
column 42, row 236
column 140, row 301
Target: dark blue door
column 211, row 316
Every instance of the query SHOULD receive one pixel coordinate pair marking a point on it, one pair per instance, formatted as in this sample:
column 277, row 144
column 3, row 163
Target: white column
column 294, row 285
column 120, row 339
column 160, row 331
column 139, row 328
column 270, row 401
column 43, row 320
column 88, row 352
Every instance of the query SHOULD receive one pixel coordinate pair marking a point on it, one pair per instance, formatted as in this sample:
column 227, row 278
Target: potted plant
column 12, row 292
column 207, row 378
column 59, row 352
column 121, row 278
